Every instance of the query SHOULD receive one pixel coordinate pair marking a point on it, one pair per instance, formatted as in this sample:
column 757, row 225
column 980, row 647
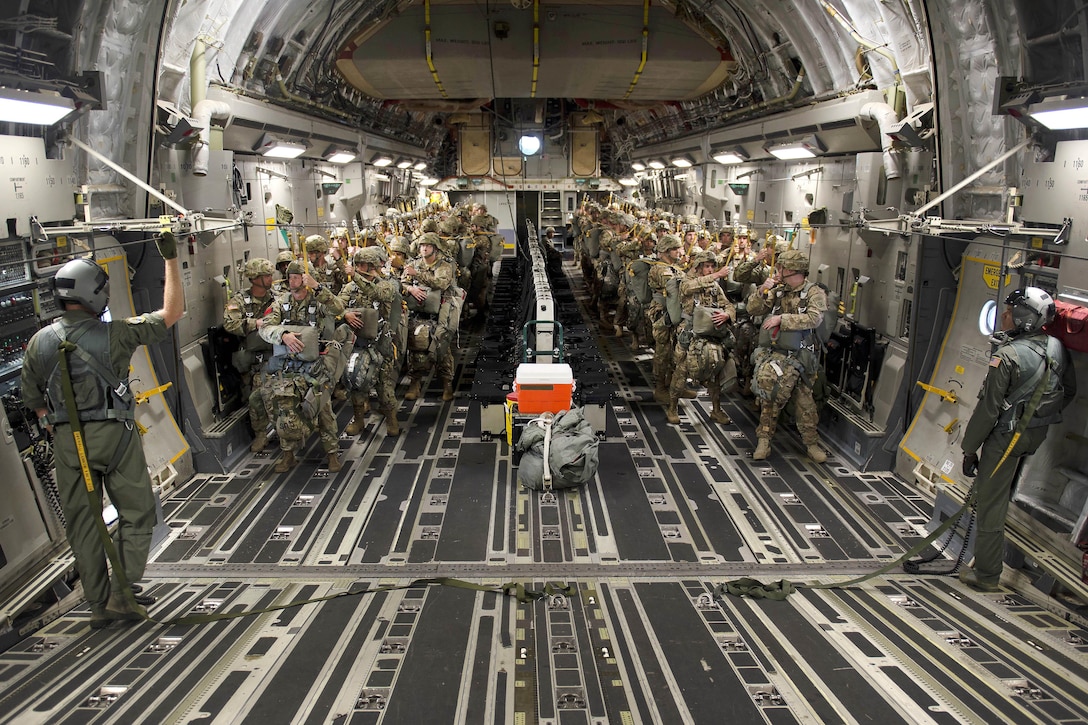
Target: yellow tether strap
column 645, row 44
column 430, row 56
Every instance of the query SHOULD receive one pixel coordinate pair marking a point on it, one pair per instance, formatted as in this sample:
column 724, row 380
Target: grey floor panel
column 673, row 512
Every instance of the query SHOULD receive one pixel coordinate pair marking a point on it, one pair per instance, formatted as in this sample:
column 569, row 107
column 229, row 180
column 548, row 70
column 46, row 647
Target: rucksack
column 572, row 451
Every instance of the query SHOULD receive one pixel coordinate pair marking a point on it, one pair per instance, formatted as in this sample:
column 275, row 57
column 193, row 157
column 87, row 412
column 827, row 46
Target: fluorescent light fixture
column 428, row 181
column 340, row 154
column 735, row 155
column 656, row 164
column 380, row 177
column 1061, row 114
column 683, row 161
column 273, row 148
column 638, row 166
column 404, row 163
column 628, row 181
column 381, row 160
column 808, row 147
column 39, row 109
column 529, row 144
column 420, row 165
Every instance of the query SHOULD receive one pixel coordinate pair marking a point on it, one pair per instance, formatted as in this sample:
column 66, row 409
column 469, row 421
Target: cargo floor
column 631, row 628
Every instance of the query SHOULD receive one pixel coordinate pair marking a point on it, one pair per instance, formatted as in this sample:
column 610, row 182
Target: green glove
column 167, row 244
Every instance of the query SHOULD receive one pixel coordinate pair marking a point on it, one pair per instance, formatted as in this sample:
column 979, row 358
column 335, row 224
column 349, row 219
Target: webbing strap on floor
column 748, row 587
column 510, row 589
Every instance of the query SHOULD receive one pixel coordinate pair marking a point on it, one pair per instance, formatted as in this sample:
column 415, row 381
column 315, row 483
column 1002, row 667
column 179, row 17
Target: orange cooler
column 543, row 387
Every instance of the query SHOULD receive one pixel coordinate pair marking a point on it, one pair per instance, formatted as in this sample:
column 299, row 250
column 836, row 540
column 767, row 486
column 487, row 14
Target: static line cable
column 130, row 176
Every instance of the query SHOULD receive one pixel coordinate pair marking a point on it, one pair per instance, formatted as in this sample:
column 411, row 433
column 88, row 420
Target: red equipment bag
column 1070, row 325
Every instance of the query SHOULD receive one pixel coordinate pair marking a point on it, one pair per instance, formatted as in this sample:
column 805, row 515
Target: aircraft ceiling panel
column 584, row 52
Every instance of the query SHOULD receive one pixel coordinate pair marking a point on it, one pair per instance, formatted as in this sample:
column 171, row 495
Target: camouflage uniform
column 664, row 333
column 438, row 275
column 700, row 358
column 382, row 293
column 332, row 276
column 786, row 362
column 283, row 259
column 240, row 317
column 297, row 392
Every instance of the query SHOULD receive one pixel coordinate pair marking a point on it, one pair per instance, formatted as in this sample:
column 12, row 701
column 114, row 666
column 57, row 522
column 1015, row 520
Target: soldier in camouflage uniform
column 786, row 362
column 371, row 288
column 749, row 270
column 638, row 321
column 297, row 391
column 430, row 271
column 283, row 259
column 399, row 251
column 668, row 254
column 243, row 317
column 701, row 357
column 332, row 276
column 480, row 269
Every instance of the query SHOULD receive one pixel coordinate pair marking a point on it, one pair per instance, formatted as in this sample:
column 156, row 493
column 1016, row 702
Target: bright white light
column 529, row 145
column 656, row 164
column 1061, row 115
column 404, row 163
column 791, row 153
column 683, row 162
column 34, row 108
column 284, row 150
column 341, row 157
column 638, row 166
column 381, row 161
column 428, row 181
column 420, row 165
column 627, row 181
column 728, row 157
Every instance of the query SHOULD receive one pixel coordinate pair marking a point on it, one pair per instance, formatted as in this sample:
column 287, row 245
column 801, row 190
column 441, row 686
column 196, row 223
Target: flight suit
column 991, row 427
column 107, row 442
column 289, row 387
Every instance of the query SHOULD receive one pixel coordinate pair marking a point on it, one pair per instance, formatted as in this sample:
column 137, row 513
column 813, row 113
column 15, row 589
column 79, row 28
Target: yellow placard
column 804, row 222
column 991, row 273
column 751, row 214
column 320, row 212
column 959, row 370
column 165, row 221
column 1036, row 242
column 270, row 222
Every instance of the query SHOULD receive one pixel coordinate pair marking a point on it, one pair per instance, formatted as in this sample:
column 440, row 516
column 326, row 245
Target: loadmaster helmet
column 794, row 260
column 667, row 242
column 317, row 243
column 83, row 281
column 1031, row 308
column 258, row 267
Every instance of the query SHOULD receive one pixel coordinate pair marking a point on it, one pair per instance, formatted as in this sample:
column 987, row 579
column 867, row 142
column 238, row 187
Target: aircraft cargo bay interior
column 536, row 361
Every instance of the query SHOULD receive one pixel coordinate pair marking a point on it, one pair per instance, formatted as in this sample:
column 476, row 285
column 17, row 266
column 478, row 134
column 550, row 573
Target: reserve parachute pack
column 572, row 451
column 638, row 275
column 673, row 305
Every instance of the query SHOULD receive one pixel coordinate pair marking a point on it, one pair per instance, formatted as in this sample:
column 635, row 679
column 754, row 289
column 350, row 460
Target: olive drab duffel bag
column 572, row 451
